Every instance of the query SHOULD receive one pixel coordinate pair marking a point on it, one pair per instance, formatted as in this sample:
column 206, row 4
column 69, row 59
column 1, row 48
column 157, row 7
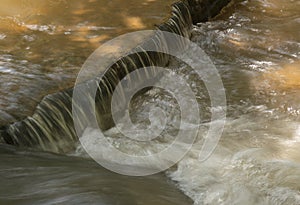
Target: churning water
column 255, row 46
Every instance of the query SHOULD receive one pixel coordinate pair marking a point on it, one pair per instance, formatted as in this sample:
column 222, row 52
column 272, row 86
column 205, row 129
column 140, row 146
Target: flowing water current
column 255, row 45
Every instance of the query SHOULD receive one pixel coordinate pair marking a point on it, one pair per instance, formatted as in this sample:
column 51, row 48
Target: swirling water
column 255, row 46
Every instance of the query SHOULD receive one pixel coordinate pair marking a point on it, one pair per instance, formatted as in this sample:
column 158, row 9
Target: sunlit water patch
column 255, row 46
column 256, row 49
column 43, row 44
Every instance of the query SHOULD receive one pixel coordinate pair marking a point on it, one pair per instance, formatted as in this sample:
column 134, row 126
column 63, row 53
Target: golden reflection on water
column 286, row 78
column 43, row 43
column 80, row 19
column 281, row 86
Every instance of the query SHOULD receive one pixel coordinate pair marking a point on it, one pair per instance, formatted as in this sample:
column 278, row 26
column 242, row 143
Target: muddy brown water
column 255, row 46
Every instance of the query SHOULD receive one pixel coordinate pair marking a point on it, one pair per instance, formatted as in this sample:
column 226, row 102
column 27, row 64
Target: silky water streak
column 109, row 156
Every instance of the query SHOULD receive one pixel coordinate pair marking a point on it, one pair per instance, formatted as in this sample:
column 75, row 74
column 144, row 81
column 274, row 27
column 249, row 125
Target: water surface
column 255, row 46
column 43, row 44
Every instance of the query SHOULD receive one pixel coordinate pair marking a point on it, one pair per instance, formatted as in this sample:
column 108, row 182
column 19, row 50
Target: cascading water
column 51, row 126
column 255, row 47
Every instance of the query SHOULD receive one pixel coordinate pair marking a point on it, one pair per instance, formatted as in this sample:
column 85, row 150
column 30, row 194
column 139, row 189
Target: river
column 255, row 46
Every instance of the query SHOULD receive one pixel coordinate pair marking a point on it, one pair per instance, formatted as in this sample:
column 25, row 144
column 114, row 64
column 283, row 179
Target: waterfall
column 51, row 126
